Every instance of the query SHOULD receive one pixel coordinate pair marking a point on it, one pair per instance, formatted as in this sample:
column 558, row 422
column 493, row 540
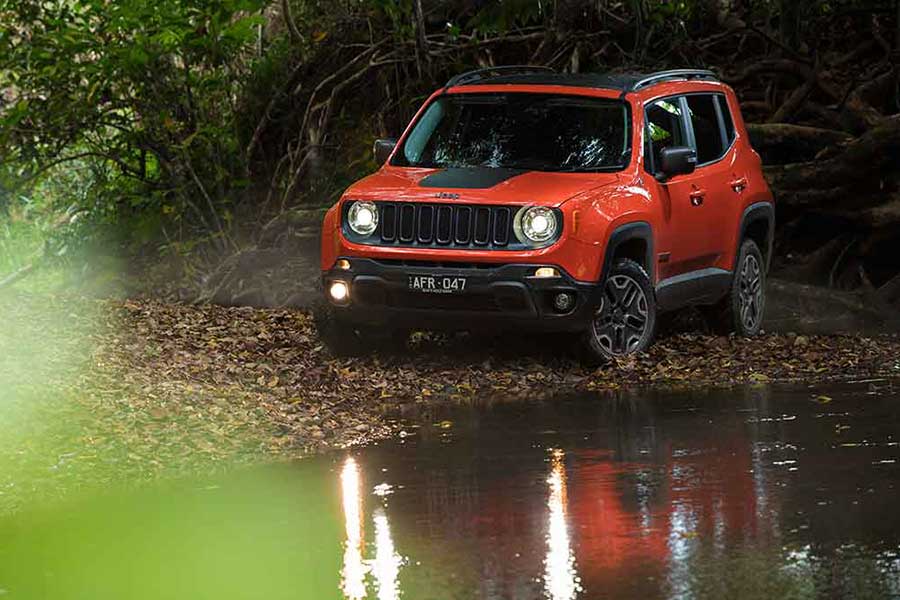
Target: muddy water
column 744, row 493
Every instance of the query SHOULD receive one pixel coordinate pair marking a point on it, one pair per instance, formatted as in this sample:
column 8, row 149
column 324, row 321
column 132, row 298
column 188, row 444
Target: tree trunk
column 421, row 39
column 783, row 143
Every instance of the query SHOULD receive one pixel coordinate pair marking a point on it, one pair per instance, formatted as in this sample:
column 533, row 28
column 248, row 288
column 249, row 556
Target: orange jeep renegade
column 519, row 197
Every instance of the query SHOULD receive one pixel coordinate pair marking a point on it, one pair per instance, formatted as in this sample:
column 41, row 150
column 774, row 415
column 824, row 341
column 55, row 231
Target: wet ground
column 750, row 492
column 747, row 493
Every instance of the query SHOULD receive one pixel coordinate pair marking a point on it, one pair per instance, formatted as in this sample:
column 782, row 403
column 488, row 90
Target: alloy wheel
column 620, row 322
column 750, row 293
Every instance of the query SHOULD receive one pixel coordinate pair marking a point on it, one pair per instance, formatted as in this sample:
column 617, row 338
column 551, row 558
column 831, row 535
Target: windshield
column 540, row 132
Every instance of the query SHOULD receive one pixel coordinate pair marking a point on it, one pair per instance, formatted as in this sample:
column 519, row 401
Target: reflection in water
column 387, row 562
column 679, row 498
column 386, row 565
column 354, row 572
column 560, row 576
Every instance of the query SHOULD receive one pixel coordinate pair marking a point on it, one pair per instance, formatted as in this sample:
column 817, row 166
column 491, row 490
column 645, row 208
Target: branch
column 20, row 274
column 795, row 99
column 296, row 36
column 55, row 163
column 267, row 115
column 206, row 196
column 329, row 79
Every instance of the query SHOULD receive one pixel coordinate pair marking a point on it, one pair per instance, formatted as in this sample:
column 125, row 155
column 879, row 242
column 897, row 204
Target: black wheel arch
column 758, row 223
column 636, row 240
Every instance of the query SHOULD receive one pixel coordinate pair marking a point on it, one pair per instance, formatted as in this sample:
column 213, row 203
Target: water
column 749, row 493
column 783, row 492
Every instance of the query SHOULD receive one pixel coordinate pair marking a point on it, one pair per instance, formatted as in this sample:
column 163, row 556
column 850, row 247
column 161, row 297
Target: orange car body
column 690, row 225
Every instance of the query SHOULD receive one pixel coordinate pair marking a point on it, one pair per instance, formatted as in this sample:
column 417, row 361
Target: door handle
column 697, row 197
column 739, row 184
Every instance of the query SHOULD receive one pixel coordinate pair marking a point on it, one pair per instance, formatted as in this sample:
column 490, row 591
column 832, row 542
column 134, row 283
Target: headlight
column 363, row 218
column 536, row 225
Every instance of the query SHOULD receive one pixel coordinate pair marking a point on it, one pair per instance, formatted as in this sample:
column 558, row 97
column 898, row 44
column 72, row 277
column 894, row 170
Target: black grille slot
column 463, row 222
column 425, row 229
column 444, row 228
column 407, row 223
column 501, row 226
column 440, row 224
column 482, row 233
column 389, row 222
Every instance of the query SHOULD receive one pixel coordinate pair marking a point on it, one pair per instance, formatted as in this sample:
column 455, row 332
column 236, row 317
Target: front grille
column 446, row 225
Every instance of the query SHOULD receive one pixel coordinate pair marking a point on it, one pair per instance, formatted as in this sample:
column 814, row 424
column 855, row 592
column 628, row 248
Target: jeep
column 520, row 197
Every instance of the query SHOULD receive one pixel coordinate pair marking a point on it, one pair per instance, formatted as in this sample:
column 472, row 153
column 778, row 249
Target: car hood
column 477, row 185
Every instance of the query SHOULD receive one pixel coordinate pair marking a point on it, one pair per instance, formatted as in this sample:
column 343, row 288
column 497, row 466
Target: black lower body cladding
column 460, row 296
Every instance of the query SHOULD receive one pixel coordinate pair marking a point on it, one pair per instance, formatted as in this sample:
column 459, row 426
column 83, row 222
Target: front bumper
column 495, row 296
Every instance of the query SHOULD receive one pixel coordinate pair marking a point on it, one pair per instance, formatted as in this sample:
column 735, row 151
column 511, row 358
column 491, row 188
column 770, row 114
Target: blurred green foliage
column 270, row 534
column 75, row 418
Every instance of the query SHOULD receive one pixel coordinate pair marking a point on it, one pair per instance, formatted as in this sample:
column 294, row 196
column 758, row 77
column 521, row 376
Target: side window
column 705, row 121
column 726, row 118
column 665, row 128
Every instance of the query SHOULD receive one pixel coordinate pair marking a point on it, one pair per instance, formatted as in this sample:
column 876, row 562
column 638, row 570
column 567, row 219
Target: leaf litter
column 166, row 388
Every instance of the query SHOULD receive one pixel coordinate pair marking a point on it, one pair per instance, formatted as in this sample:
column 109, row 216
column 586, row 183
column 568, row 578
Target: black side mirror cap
column 383, row 150
column 676, row 160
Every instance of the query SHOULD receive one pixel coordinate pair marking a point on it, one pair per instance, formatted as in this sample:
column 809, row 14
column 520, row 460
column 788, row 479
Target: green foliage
column 142, row 92
column 160, row 123
column 500, row 17
column 661, row 12
column 399, row 13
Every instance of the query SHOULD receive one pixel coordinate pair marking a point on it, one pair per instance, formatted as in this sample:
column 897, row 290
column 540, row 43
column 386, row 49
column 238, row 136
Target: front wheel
column 741, row 311
column 624, row 319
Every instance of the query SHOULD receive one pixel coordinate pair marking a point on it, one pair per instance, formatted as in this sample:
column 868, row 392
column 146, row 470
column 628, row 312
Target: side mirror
column 677, row 160
column 383, row 149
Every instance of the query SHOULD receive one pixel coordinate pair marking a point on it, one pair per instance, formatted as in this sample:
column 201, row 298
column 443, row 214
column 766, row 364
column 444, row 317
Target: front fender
column 330, row 237
column 611, row 218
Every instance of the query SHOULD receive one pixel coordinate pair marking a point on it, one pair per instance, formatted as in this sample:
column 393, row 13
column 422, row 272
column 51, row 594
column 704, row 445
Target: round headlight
column 536, row 225
column 363, row 218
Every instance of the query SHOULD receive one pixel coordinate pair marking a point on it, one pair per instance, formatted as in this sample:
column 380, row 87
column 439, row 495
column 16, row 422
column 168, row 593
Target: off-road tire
column 344, row 339
column 732, row 315
column 624, row 319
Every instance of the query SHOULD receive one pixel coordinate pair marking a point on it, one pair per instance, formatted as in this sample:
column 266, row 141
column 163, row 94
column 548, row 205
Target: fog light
column 339, row 291
column 343, row 264
column 546, row 273
column 563, row 302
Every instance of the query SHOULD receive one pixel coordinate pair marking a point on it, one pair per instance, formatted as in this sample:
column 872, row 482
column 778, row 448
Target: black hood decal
column 471, row 178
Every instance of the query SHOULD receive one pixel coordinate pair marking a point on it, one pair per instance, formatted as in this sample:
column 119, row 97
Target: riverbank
column 146, row 388
column 272, row 360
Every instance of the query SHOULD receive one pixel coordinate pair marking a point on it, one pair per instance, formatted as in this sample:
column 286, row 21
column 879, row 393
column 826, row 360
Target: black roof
column 626, row 82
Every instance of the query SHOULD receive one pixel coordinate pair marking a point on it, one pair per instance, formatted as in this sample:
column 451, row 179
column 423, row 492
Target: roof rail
column 486, row 73
column 661, row 76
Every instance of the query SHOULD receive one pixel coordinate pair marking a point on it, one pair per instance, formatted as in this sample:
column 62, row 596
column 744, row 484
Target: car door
column 684, row 197
column 714, row 176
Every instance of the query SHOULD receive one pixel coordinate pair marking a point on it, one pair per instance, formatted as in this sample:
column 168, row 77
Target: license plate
column 436, row 284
